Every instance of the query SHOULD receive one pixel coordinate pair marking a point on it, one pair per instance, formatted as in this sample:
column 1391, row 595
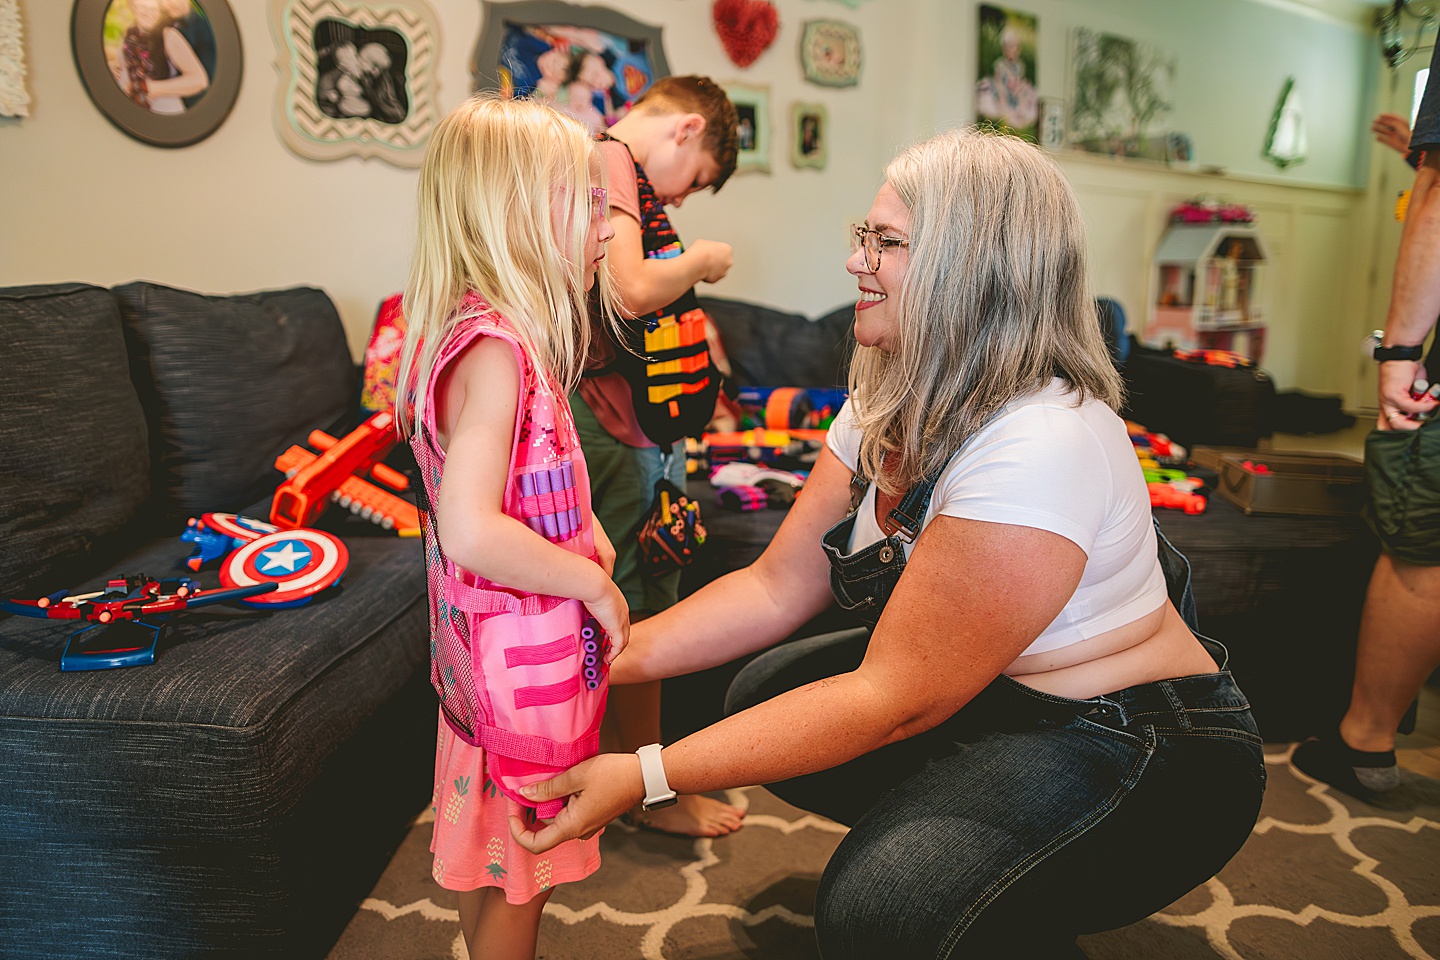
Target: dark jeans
column 1025, row 819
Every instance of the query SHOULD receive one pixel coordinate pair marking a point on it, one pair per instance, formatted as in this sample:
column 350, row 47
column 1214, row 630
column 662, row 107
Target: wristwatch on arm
column 657, row 789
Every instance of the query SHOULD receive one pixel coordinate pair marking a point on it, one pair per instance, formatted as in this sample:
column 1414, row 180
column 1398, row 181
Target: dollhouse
column 1209, row 289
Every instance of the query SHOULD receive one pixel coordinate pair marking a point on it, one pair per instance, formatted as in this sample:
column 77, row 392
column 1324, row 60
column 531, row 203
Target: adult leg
column 1021, row 841
column 1399, row 646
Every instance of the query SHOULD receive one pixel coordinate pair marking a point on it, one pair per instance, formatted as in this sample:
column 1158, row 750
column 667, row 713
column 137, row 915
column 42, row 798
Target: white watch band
column 657, row 789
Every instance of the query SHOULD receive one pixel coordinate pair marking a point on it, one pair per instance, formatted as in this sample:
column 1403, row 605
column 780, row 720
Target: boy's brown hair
column 695, row 94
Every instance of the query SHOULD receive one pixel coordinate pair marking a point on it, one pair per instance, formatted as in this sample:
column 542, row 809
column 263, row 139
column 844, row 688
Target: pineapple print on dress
column 542, row 874
column 456, row 804
column 495, row 850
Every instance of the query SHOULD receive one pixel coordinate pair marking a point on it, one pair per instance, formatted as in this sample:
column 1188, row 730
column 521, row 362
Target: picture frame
column 100, row 35
column 591, row 63
column 752, row 104
column 1006, row 96
column 809, row 135
column 1051, row 133
column 830, row 53
column 356, row 78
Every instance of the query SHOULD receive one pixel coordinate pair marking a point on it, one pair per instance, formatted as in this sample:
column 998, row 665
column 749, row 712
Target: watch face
column 660, row 804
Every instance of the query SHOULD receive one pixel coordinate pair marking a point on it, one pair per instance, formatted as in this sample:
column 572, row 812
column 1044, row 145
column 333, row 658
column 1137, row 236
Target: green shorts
column 1402, row 476
column 622, row 490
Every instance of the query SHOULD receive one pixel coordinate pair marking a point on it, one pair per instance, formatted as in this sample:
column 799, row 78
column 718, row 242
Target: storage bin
column 1296, row 483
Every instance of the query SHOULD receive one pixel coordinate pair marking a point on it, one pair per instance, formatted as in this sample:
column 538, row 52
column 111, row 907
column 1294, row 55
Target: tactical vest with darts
column 666, row 358
column 519, row 674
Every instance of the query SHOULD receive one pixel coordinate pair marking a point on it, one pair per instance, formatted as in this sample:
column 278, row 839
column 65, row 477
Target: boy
column 679, row 138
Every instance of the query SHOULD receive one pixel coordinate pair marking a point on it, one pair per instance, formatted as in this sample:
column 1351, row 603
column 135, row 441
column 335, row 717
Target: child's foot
column 693, row 816
column 1363, row 774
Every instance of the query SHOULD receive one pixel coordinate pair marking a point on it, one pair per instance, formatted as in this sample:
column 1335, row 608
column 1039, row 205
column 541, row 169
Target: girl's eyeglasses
column 598, row 196
column 873, row 242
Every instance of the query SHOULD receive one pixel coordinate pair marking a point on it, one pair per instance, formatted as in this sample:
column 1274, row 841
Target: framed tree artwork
column 591, row 63
column 752, row 105
column 356, row 78
column 166, row 72
column 809, row 135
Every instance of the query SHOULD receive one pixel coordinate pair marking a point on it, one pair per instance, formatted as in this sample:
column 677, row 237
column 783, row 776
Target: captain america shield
column 303, row 562
column 237, row 527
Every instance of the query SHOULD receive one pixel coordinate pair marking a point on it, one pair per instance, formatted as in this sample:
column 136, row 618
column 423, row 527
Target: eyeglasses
column 873, row 242
column 598, row 198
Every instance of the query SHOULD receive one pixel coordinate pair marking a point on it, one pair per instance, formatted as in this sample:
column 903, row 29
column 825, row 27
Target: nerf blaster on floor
column 336, row 474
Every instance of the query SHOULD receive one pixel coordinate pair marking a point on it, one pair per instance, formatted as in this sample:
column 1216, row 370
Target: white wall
column 79, row 200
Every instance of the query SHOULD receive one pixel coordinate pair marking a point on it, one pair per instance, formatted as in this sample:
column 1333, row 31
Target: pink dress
column 520, row 676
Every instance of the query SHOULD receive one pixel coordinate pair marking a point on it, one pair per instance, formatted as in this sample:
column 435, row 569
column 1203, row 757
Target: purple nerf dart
column 542, row 486
column 527, row 489
column 562, row 514
column 569, row 468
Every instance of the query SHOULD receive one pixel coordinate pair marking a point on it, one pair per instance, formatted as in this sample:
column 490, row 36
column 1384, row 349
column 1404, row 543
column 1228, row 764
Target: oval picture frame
column 87, row 43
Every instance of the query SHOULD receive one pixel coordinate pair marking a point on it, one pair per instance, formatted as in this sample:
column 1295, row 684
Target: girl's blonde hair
column 487, row 222
column 994, row 303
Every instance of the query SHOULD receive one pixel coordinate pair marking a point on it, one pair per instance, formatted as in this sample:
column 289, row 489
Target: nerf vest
column 666, row 360
column 519, row 674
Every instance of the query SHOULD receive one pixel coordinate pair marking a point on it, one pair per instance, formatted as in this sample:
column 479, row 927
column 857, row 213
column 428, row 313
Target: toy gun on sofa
column 129, row 598
column 313, row 480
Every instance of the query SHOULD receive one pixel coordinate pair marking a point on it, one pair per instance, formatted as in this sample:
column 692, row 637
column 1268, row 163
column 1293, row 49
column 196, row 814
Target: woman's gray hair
column 995, row 302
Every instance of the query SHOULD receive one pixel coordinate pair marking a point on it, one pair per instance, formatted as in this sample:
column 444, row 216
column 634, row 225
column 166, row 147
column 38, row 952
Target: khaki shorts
column 1402, row 477
column 622, row 490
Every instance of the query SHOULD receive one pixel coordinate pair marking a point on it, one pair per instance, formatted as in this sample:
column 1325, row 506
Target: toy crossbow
column 140, row 603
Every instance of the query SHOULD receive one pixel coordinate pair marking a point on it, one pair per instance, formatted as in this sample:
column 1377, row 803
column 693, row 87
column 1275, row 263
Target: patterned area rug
column 1322, row 877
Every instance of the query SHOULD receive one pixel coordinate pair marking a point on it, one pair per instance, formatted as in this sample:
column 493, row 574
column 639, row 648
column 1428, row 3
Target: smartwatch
column 658, row 794
column 1398, row 353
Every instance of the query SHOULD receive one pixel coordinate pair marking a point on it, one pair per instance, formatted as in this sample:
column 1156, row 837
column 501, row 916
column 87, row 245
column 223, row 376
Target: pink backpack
column 519, row 674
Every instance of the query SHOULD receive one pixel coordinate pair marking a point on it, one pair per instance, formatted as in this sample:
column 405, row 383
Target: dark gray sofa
column 238, row 797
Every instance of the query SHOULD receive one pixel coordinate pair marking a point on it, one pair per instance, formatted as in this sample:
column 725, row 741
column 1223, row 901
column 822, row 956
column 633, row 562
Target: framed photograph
column 1121, row 93
column 357, row 79
column 752, row 105
column 1052, row 123
column 166, row 72
column 830, row 53
column 809, row 135
column 591, row 63
column 1005, row 97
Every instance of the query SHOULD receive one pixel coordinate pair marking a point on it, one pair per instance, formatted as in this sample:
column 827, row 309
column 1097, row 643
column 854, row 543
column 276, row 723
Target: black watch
column 1398, row 353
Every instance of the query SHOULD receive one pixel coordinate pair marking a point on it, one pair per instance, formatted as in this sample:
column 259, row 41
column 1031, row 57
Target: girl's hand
column 600, row 789
column 614, row 616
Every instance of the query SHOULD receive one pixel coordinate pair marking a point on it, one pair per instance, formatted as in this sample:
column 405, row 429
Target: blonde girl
column 510, row 243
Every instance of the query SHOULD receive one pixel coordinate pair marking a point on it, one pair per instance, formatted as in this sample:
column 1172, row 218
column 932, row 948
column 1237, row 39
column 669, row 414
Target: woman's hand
column 600, row 789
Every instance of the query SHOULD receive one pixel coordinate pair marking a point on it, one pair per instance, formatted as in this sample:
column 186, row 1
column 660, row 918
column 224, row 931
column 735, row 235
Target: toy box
column 1293, row 483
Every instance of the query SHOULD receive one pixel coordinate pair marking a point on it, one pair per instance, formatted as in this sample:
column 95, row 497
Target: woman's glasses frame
column 873, row 242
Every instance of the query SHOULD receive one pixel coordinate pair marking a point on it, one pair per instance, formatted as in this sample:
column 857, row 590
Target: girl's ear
column 691, row 125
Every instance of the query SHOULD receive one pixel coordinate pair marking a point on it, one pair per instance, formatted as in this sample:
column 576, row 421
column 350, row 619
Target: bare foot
column 693, row 816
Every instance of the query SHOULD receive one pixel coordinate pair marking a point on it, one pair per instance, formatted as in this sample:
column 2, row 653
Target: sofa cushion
column 774, row 348
column 229, row 383
column 243, row 791
column 76, row 466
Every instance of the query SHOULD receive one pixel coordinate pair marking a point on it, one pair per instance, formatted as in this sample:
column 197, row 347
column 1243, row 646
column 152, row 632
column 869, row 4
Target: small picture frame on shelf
column 116, row 49
column 809, row 135
column 1052, row 123
column 752, row 105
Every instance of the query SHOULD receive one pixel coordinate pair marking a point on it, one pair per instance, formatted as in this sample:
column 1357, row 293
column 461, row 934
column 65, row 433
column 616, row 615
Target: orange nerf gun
column 1166, row 495
column 313, row 481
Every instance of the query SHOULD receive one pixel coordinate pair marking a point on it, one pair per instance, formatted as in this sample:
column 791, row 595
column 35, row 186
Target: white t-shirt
column 1047, row 463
